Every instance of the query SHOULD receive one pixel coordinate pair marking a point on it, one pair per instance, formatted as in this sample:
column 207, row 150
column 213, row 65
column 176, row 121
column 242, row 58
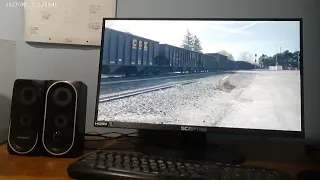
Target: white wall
column 65, row 62
column 7, row 77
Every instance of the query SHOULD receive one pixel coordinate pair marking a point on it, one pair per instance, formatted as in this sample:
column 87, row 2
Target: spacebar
column 131, row 172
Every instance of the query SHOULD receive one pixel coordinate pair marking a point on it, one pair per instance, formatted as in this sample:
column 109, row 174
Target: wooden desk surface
column 45, row 168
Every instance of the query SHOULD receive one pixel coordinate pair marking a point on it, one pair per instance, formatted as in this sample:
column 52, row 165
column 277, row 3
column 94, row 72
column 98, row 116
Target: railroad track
column 141, row 91
column 136, row 79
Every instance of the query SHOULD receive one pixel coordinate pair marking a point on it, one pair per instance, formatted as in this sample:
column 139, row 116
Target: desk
column 45, row 168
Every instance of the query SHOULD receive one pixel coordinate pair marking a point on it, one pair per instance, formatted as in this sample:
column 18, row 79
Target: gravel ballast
column 198, row 104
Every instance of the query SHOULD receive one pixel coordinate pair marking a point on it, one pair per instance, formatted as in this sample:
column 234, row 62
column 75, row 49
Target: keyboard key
column 169, row 162
column 196, row 165
column 160, row 161
column 110, row 156
column 135, row 162
column 109, row 164
column 154, row 164
column 145, row 166
column 126, row 157
column 163, row 167
column 101, row 165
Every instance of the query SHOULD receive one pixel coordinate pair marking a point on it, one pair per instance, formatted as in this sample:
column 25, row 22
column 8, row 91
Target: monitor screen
column 179, row 74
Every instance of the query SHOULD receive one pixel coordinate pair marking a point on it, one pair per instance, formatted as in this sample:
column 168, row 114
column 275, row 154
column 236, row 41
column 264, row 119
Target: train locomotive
column 125, row 53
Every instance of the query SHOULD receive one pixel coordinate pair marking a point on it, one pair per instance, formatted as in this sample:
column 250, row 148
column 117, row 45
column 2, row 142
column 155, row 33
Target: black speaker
column 64, row 118
column 26, row 117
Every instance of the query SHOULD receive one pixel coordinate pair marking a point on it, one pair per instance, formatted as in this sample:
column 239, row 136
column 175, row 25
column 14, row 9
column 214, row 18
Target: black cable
column 94, row 133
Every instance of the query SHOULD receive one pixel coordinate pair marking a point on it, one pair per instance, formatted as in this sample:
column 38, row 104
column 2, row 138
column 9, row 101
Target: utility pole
column 276, row 57
column 255, row 61
column 280, row 53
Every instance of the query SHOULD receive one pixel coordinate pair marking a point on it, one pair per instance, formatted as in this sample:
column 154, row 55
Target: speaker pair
column 47, row 118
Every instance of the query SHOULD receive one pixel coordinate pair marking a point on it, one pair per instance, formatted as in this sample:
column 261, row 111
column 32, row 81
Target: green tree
column 226, row 53
column 286, row 59
column 261, row 58
column 196, row 44
column 296, row 59
column 266, row 61
column 188, row 40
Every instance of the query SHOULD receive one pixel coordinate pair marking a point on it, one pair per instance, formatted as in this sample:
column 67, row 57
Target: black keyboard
column 104, row 164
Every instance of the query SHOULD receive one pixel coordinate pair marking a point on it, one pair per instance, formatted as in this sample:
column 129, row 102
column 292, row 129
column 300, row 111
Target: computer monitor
column 239, row 76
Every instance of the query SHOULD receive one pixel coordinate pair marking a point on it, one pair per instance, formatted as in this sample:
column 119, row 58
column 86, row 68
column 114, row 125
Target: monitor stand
column 187, row 145
column 194, row 141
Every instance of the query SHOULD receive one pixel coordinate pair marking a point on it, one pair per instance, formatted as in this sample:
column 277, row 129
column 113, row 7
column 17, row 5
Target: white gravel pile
column 198, row 104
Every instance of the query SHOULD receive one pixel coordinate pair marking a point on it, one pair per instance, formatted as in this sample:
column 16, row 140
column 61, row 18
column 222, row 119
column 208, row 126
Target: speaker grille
column 60, row 117
column 26, row 115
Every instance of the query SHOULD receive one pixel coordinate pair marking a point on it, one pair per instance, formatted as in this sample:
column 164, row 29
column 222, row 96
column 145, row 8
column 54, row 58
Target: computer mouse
column 308, row 175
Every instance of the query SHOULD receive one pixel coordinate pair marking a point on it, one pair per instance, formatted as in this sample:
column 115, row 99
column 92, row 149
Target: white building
column 275, row 68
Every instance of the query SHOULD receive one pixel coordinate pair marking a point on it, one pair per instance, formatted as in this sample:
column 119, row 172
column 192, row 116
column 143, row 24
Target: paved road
column 271, row 101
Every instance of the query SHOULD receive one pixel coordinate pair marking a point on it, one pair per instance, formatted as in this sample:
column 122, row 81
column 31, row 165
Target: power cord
column 104, row 135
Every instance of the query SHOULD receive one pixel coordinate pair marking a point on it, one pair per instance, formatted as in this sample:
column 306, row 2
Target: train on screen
column 124, row 53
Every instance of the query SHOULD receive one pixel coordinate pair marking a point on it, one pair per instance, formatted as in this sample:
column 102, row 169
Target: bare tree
column 246, row 56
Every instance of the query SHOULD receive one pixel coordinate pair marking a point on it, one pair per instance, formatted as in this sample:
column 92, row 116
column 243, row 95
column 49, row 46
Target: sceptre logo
column 198, row 129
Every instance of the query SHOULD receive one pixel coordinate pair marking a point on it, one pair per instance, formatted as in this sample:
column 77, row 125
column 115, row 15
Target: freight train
column 125, row 53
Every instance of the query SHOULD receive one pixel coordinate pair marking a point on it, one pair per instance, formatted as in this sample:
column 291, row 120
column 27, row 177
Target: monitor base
column 189, row 145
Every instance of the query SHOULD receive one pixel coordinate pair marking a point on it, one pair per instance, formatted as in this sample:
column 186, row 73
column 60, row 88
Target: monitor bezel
column 220, row 130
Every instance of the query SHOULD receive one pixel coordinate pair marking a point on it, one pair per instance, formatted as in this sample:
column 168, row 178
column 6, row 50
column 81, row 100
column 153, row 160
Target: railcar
column 243, row 65
column 125, row 53
column 176, row 59
column 210, row 63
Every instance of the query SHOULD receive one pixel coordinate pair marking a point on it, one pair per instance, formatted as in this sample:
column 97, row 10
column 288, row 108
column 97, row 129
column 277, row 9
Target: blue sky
column 256, row 37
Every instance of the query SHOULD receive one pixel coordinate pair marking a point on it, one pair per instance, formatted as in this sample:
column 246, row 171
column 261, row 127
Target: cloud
column 239, row 30
column 247, row 26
